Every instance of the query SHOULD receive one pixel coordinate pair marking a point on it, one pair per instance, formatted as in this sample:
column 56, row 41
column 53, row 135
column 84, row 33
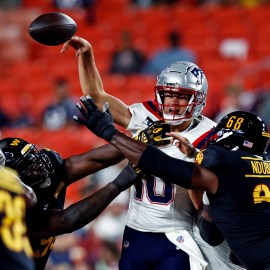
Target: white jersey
column 156, row 206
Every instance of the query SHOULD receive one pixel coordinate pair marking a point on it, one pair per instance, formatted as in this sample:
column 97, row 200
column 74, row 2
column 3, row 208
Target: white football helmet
column 184, row 78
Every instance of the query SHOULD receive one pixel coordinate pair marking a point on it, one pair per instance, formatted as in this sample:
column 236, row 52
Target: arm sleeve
column 209, row 232
column 155, row 162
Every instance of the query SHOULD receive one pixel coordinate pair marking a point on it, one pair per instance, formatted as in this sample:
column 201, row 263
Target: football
column 52, row 28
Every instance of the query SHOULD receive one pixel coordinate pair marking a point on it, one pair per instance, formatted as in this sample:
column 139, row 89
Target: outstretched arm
column 79, row 166
column 56, row 222
column 148, row 158
column 91, row 82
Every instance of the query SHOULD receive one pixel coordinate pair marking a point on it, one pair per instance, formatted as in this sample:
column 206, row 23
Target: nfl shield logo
column 180, row 239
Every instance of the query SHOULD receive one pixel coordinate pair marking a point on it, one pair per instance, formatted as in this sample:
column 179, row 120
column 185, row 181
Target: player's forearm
column 208, row 230
column 89, row 76
column 83, row 212
column 79, row 166
column 153, row 161
column 196, row 198
column 130, row 148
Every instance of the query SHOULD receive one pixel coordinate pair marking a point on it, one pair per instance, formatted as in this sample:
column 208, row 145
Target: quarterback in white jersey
column 158, row 233
column 156, row 206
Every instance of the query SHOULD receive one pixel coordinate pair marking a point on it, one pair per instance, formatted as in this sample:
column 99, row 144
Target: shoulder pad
column 209, row 158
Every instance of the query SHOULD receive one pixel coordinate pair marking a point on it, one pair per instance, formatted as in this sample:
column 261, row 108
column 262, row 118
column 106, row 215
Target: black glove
column 126, row 178
column 100, row 123
column 155, row 134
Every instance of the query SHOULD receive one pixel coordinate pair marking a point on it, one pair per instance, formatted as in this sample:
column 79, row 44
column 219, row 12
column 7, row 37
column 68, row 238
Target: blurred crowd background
column 133, row 41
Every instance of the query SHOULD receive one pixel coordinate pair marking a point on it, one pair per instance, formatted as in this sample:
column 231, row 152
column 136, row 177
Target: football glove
column 100, row 123
column 155, row 134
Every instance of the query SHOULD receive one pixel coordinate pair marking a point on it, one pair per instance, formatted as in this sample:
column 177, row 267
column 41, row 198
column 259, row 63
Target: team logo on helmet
column 197, row 72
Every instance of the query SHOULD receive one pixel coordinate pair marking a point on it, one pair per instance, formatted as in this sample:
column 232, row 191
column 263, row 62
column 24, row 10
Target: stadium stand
column 203, row 29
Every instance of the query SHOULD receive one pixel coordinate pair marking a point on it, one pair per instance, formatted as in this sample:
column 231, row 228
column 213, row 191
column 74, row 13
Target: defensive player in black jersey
column 232, row 170
column 15, row 249
column 49, row 175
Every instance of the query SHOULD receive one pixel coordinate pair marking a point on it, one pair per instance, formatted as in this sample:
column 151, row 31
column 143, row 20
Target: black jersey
column 241, row 205
column 52, row 197
column 15, row 249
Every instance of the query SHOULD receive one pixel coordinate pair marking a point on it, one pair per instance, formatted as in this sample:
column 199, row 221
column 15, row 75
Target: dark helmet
column 33, row 166
column 241, row 130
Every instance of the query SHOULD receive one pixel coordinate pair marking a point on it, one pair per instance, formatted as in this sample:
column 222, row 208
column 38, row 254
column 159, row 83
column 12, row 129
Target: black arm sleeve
column 55, row 222
column 155, row 162
column 209, row 232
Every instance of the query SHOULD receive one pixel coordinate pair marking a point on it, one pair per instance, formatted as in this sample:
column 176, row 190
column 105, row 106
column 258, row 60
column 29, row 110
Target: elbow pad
column 154, row 161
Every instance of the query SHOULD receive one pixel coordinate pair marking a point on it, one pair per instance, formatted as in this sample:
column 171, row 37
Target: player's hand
column 183, row 144
column 155, row 134
column 79, row 44
column 100, row 123
column 126, row 178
